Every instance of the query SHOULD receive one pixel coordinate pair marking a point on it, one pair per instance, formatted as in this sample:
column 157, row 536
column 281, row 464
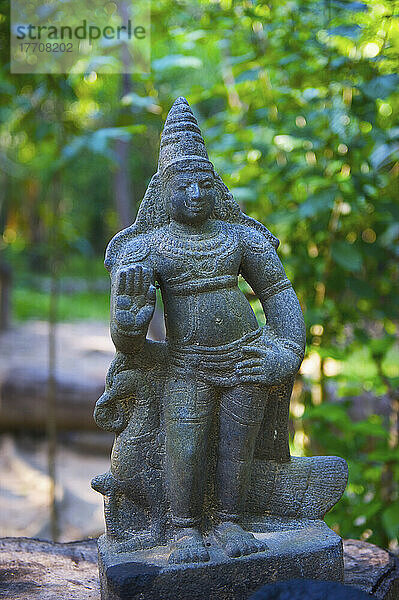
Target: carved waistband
column 187, row 288
column 229, row 348
column 213, row 364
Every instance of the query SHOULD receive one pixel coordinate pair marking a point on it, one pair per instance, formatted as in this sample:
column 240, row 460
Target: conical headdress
column 182, row 143
column 181, row 139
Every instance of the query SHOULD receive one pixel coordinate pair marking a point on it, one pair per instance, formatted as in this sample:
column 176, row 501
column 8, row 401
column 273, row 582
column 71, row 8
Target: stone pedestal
column 296, row 549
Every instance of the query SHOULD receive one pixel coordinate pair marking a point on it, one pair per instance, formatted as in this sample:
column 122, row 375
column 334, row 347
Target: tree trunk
column 123, row 189
column 5, row 296
column 122, row 184
column 5, row 269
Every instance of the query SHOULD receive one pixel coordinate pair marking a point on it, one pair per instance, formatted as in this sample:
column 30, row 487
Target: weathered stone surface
column 372, row 569
column 34, row 570
column 201, row 420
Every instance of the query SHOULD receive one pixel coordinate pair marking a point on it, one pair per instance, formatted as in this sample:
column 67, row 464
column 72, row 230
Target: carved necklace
column 218, row 242
column 203, row 253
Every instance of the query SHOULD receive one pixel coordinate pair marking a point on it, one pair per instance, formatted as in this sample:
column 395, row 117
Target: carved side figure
column 200, row 415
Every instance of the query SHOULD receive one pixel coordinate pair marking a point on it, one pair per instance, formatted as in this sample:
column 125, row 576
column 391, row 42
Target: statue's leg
column 188, row 408
column 241, row 413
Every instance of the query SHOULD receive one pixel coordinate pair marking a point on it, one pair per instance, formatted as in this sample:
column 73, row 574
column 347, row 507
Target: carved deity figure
column 201, row 420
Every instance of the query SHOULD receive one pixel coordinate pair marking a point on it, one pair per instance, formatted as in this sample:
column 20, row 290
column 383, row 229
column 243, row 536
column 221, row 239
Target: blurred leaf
column 383, row 154
column 349, row 31
column 354, row 6
column 380, row 346
column 370, row 429
column 382, row 86
column 346, row 256
column 177, row 61
column 74, row 147
column 136, row 100
column 243, row 194
column 317, row 204
column 390, row 235
column 250, row 75
column 390, row 519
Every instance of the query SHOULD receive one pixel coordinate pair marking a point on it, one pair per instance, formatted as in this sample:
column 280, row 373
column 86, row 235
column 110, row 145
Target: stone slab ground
column 35, row 570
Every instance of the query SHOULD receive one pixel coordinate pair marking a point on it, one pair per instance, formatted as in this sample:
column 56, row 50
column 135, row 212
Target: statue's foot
column 236, row 541
column 133, row 541
column 188, row 547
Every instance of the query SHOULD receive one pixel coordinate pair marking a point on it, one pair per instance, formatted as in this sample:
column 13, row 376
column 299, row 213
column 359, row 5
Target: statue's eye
column 206, row 184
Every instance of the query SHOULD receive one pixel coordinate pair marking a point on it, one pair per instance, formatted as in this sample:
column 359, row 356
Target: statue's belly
column 210, row 318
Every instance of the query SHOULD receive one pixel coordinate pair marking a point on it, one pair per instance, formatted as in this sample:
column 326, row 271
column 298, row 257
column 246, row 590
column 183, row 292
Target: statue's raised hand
column 135, row 299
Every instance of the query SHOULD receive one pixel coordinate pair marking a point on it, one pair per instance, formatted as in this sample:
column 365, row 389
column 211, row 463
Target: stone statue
column 201, row 460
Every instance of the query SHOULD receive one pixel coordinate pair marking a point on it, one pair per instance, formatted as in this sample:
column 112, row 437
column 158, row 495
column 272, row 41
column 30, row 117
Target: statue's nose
column 195, row 191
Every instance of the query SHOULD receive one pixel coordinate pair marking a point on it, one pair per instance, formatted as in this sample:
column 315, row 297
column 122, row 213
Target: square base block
column 298, row 549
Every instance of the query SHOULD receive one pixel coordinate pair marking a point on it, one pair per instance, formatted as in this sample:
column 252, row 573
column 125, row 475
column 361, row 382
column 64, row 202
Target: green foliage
column 298, row 103
column 33, row 304
column 365, row 510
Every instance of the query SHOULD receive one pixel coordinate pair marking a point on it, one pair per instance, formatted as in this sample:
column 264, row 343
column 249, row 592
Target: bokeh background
column 298, row 102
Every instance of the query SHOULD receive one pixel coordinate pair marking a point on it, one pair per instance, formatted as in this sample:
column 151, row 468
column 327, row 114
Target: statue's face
column 191, row 196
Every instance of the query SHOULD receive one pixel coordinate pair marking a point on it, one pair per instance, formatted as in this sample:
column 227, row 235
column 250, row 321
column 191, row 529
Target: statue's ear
column 217, row 212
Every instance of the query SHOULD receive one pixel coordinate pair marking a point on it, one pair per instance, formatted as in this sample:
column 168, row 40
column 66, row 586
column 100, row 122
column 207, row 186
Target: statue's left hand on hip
column 269, row 365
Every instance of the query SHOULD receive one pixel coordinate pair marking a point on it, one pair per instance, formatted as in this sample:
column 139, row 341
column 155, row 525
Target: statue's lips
column 194, row 206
